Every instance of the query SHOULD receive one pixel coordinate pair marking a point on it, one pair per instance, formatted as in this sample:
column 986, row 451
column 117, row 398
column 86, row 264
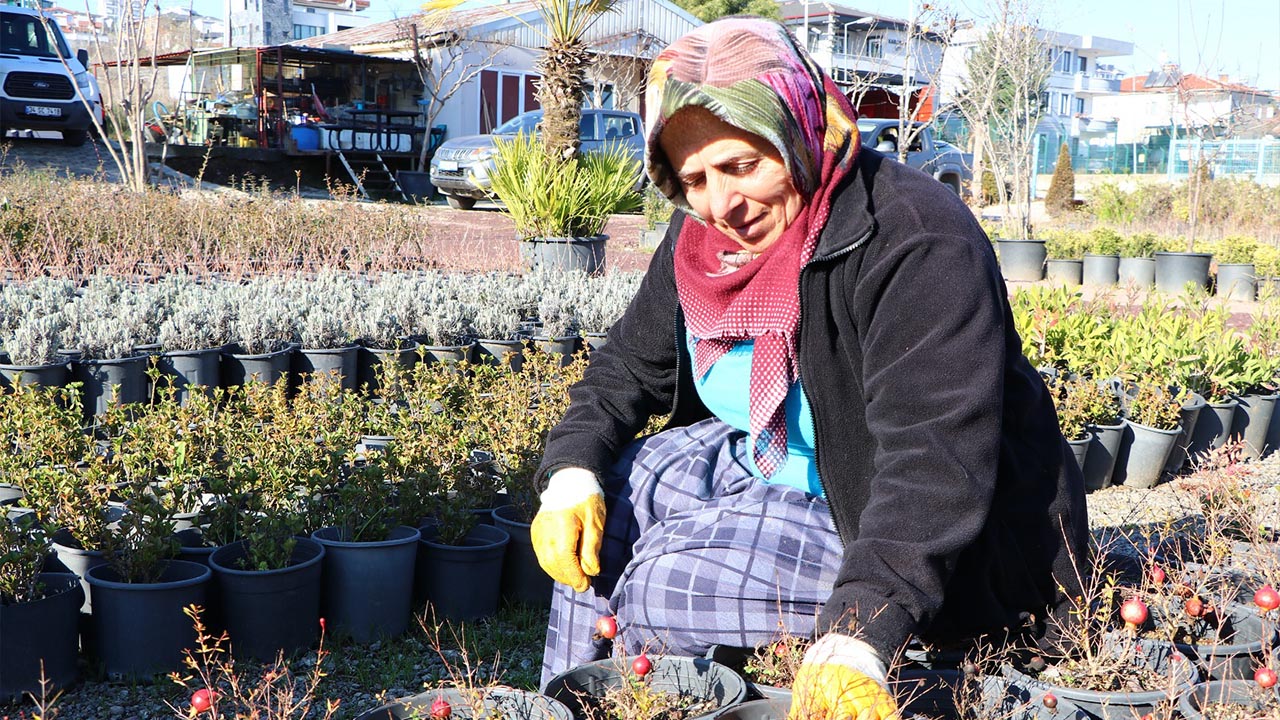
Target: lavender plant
column 35, row 340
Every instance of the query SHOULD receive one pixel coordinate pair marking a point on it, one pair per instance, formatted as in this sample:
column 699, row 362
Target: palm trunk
column 563, row 68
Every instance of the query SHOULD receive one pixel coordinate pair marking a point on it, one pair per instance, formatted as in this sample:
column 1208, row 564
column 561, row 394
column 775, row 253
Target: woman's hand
column 569, row 528
column 841, row 678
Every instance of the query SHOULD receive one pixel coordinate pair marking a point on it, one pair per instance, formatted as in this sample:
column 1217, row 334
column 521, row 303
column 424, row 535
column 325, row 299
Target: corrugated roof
column 391, row 31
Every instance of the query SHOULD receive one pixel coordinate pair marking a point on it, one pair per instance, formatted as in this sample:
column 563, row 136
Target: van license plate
column 449, row 165
column 43, row 111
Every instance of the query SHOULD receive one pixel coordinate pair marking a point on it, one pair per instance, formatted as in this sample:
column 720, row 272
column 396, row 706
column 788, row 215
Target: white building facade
column 1078, row 77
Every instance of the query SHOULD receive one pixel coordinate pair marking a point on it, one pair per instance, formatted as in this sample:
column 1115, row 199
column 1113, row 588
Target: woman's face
column 733, row 179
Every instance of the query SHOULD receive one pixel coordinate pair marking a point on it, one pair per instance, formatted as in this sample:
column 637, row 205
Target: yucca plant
column 549, row 196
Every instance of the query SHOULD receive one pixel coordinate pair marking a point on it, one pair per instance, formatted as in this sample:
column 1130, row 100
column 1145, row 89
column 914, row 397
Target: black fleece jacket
column 957, row 500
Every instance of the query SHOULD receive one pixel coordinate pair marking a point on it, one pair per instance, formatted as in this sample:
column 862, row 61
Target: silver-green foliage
column 36, row 339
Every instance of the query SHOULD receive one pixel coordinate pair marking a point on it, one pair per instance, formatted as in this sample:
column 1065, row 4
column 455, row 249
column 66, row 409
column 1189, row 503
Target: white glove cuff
column 850, row 652
column 568, row 487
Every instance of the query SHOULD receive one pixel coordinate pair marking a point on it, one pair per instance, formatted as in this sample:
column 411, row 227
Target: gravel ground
column 363, row 676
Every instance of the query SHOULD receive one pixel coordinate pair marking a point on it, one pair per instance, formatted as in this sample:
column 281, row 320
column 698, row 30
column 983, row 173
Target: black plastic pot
column 416, row 185
column 11, row 494
column 461, row 582
column 698, row 678
column 595, row 340
column 77, row 561
column 120, row 381
column 1100, row 270
column 370, row 360
column 1064, row 271
column 268, row 611
column 1163, row 658
column 523, row 579
column 1144, row 452
column 1137, row 271
column 1237, row 281
column 1100, row 462
column 581, row 254
column 492, row 352
column 367, row 587
column 565, row 346
column 506, row 703
column 1234, row 657
column 1213, row 427
column 1189, row 415
column 139, row 628
column 239, row 367
column 1230, row 692
column 1080, row 449
column 1252, row 422
column 41, row 636
column 52, row 375
column 1175, row 269
column 192, row 547
column 446, row 353
column 186, row 369
column 1022, row 260
column 324, row 361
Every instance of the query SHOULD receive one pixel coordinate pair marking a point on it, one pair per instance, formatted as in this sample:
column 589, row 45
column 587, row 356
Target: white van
column 37, row 90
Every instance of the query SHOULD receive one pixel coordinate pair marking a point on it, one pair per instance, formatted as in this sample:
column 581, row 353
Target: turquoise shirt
column 723, row 391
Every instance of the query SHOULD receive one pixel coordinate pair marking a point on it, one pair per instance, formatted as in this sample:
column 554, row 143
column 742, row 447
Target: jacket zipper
column 675, row 394
column 804, row 388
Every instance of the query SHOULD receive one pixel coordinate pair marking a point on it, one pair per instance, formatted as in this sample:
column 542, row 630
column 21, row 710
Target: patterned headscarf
column 750, row 73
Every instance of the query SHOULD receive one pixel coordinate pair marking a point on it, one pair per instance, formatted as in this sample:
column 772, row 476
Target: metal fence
column 1258, row 160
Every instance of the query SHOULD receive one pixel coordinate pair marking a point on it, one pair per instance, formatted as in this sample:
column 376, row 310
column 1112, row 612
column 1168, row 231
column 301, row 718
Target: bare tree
column 447, row 60
column 1001, row 100
column 626, row 74
column 127, row 87
column 927, row 36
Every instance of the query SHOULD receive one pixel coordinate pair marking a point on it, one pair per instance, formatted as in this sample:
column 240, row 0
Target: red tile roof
column 1164, row 80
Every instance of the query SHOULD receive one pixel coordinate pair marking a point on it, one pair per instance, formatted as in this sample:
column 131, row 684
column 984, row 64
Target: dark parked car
column 460, row 167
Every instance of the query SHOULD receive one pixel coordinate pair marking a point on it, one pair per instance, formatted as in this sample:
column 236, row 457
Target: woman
column 853, row 428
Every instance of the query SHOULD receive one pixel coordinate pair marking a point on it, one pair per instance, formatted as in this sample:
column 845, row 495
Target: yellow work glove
column 841, row 678
column 569, row 528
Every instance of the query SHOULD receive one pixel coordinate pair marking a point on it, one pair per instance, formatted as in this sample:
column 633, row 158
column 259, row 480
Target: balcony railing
column 1086, row 84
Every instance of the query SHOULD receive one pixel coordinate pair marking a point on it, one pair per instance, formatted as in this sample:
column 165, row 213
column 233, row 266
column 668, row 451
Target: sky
column 1240, row 38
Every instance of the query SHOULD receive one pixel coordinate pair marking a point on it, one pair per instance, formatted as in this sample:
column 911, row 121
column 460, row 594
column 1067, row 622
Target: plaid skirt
column 697, row 552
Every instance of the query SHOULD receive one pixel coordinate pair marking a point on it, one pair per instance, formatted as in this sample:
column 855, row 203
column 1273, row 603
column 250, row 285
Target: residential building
column 862, row 51
column 254, row 23
column 1167, row 102
column 1077, row 78
column 497, row 47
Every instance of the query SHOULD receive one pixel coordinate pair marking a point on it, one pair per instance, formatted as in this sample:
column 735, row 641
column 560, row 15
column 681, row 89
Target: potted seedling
column 39, row 614
column 191, row 342
column 1137, row 260
column 1237, row 277
column 1102, row 258
column 261, row 336
column 640, row 684
column 496, row 328
column 1154, row 415
column 31, row 352
column 1064, row 251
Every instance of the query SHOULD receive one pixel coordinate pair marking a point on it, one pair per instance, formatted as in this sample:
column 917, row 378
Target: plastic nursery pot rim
column 399, row 535
column 304, row 544
column 189, row 574
column 488, row 537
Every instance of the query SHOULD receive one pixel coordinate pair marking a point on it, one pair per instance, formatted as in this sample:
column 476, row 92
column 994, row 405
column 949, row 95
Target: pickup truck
column 939, row 159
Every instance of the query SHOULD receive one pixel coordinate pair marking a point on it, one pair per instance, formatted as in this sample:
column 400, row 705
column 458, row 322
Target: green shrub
column 1110, row 204
column 1235, row 249
column 1266, row 261
column 1154, row 406
column 1064, row 243
column 1104, row 241
column 550, row 197
column 1082, row 402
column 990, row 193
column 1140, row 245
column 1062, row 188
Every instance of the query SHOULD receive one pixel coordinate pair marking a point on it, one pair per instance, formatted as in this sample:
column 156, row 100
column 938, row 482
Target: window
column 875, row 46
column 1084, row 64
column 302, row 32
column 587, row 127
column 619, row 126
column 1064, row 63
column 26, row 35
column 1064, row 104
column 1080, row 106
